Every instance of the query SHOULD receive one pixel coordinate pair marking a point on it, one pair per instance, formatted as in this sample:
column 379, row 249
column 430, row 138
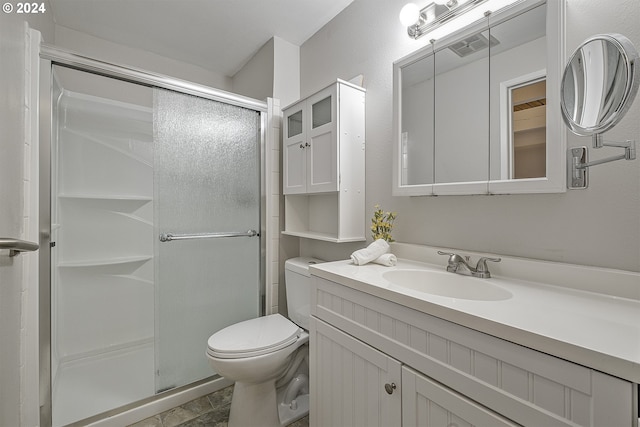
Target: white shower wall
column 102, row 264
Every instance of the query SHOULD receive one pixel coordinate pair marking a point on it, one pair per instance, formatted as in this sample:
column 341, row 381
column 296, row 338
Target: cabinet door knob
column 301, row 146
column 389, row 388
column 306, row 144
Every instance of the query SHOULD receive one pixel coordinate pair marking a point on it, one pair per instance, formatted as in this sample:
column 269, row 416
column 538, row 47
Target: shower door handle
column 16, row 246
column 168, row 237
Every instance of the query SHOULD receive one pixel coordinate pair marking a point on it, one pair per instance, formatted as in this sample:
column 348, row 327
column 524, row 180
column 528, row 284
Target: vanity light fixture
column 445, row 13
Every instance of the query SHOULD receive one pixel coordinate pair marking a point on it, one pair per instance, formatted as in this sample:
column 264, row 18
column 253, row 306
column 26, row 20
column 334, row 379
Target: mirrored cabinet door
column 519, row 97
column 417, row 127
column 527, row 137
column 461, row 114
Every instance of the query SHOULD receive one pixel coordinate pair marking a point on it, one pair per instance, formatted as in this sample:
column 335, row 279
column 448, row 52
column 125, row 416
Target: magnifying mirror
column 598, row 87
column 599, row 84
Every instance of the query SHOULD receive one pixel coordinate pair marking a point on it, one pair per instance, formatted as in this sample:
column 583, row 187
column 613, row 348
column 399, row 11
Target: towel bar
column 167, row 237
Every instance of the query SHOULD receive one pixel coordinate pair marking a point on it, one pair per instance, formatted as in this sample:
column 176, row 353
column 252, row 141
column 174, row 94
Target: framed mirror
column 479, row 141
column 599, row 84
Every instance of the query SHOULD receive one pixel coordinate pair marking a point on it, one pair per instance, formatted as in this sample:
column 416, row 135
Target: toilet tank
column 298, row 285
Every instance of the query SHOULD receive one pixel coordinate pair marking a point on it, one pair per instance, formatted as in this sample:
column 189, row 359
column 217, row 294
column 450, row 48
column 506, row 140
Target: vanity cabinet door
column 427, row 403
column 352, row 384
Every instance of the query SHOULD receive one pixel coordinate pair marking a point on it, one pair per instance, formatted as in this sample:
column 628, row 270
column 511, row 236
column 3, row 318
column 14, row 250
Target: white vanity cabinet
column 449, row 374
column 323, row 158
column 350, row 379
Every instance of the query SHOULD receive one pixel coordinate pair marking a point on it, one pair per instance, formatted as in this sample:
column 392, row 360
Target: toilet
column 267, row 357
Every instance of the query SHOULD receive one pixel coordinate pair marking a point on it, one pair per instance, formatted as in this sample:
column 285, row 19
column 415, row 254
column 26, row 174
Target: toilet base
column 289, row 414
column 254, row 405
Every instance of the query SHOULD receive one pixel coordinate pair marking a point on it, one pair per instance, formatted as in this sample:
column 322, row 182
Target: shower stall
column 153, row 209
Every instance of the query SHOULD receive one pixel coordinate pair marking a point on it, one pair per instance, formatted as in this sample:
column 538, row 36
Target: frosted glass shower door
column 206, row 180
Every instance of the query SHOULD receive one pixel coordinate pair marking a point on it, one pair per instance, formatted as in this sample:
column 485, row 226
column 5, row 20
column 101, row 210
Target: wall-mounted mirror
column 478, row 111
column 599, row 84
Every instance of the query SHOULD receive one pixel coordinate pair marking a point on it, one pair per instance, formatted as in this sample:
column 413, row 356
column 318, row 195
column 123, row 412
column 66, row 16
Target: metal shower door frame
column 50, row 56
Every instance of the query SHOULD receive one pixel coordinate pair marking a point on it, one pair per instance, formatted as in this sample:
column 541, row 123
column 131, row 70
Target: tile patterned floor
column 208, row 411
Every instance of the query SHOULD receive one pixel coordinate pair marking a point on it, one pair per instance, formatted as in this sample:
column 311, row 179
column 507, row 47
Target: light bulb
column 409, row 14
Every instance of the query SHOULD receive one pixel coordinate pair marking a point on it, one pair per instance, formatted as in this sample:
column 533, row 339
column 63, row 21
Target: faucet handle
column 453, row 258
column 481, row 266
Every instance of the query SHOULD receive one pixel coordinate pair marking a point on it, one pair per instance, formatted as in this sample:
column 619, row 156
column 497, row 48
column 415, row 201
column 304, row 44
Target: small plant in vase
column 381, row 224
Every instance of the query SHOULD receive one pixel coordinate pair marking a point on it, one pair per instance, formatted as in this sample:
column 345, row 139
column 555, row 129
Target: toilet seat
column 253, row 337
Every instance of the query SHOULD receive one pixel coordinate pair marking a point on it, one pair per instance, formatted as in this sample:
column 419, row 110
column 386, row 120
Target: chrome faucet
column 459, row 265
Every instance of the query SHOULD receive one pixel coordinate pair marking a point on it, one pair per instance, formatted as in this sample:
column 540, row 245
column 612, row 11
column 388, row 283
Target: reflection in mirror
column 528, row 124
column 461, row 114
column 598, row 84
column 416, row 138
column 518, row 97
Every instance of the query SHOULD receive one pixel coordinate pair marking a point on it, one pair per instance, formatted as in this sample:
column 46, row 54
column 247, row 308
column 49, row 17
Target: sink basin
column 446, row 284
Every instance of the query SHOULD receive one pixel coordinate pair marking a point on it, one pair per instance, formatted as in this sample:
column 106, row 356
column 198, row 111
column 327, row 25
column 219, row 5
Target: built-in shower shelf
column 103, row 262
column 121, row 145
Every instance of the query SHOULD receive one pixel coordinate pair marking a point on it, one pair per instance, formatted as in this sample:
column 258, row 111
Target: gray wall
column 255, row 78
column 599, row 226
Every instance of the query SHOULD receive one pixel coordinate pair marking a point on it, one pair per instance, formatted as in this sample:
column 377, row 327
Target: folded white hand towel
column 388, row 260
column 371, row 252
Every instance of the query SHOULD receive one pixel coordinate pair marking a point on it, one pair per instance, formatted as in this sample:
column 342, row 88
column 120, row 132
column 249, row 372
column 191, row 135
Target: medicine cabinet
column 478, row 112
column 323, row 159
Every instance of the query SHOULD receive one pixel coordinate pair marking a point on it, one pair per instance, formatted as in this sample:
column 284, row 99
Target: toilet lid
column 253, row 337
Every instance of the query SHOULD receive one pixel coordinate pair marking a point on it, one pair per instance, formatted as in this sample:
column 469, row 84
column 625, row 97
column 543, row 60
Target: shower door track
column 146, row 78
column 49, row 56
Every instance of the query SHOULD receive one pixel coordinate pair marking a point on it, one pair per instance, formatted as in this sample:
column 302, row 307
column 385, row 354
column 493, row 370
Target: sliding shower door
column 206, row 181
column 130, row 314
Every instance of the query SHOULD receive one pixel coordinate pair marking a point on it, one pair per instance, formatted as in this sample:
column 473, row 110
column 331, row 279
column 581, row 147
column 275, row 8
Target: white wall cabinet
column 450, row 374
column 311, row 144
column 323, row 164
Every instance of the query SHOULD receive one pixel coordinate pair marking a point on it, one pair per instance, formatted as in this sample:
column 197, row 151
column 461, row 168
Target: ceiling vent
column 472, row 44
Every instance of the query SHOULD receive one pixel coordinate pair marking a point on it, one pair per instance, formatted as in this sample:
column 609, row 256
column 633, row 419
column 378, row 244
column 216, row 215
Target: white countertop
column 593, row 329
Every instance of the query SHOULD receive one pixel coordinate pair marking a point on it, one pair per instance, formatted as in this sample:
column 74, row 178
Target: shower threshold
column 89, row 386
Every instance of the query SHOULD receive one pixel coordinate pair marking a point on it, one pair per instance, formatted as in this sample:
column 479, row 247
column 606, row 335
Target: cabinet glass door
column 295, row 152
column 322, row 172
column 294, row 124
column 321, row 112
